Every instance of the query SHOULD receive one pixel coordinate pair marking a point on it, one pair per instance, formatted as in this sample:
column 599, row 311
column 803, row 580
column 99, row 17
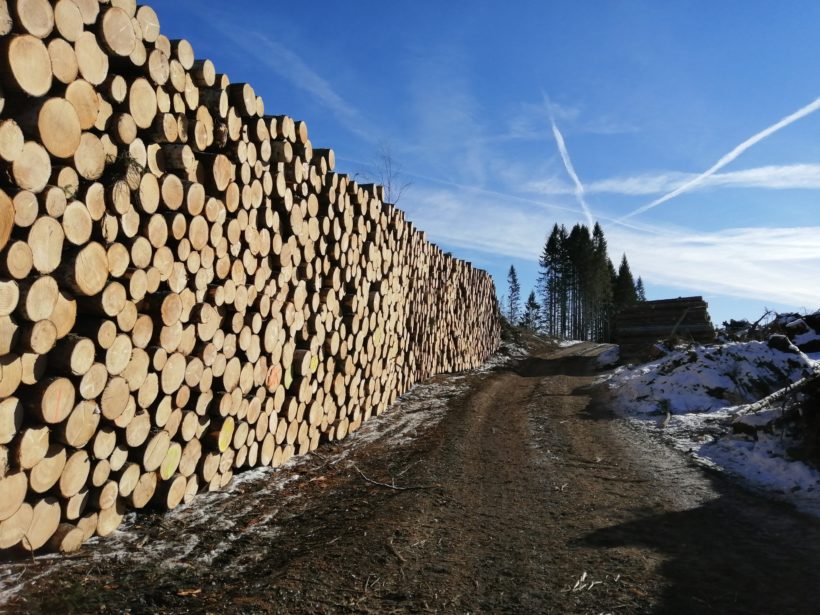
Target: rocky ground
column 507, row 489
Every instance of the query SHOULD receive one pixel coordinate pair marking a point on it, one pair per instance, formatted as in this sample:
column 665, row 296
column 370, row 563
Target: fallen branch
column 387, row 485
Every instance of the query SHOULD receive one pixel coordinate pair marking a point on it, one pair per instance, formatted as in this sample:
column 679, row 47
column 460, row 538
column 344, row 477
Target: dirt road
column 501, row 491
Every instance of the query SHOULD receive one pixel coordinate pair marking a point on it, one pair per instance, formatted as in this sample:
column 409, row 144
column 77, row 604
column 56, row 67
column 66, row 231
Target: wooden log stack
column 640, row 326
column 187, row 287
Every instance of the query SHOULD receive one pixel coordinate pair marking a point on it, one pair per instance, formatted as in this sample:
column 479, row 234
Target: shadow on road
column 733, row 554
column 537, row 367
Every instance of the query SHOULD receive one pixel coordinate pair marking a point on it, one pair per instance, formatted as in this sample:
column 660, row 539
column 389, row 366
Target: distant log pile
column 643, row 324
column 187, row 288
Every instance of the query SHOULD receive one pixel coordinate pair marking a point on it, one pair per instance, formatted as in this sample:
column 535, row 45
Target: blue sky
column 473, row 100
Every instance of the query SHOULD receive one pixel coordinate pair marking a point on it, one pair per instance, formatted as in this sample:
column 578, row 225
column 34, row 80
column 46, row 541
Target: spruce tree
column 514, row 296
column 550, row 281
column 625, row 293
column 602, row 297
column 639, row 290
column 531, row 313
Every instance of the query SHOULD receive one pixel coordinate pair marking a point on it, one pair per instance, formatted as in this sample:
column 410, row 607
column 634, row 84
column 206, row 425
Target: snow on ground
column 690, row 398
column 568, row 343
column 609, row 357
column 707, row 378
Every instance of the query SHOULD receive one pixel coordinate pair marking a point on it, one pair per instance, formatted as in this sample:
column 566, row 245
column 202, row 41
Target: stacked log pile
column 187, row 288
column 640, row 326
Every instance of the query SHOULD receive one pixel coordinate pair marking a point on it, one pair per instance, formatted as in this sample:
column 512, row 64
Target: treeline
column 579, row 288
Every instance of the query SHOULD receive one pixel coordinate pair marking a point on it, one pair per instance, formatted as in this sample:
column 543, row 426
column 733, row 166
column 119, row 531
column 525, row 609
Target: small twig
column 31, row 551
column 395, row 552
column 408, row 467
column 387, row 485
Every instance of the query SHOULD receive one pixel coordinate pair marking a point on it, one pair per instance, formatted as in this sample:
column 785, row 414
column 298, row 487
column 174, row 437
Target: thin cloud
column 774, row 177
column 728, row 158
column 764, row 264
column 771, row 177
column 291, row 67
column 579, row 187
column 469, row 187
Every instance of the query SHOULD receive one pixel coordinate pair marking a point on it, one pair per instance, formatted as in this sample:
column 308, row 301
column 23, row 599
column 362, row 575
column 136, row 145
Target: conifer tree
column 513, row 297
column 625, row 293
column 550, row 281
column 639, row 290
column 602, row 297
column 530, row 318
column 579, row 288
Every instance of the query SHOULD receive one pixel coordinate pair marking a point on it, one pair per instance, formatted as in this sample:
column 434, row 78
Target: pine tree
column 531, row 313
column 602, row 297
column 639, row 290
column 514, row 296
column 625, row 293
column 550, row 282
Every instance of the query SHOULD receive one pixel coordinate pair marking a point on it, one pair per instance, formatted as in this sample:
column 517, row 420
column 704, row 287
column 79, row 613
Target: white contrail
column 579, row 187
column 789, row 119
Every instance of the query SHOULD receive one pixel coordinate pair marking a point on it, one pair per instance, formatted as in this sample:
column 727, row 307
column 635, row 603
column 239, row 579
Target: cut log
column 67, row 538
column 11, row 419
column 11, row 140
column 144, row 490
column 82, row 95
column 15, row 527
column 56, row 125
column 32, row 168
column 87, row 274
column 44, row 522
column 173, row 491
column 38, row 298
column 109, row 519
column 80, row 426
column 63, row 61
column 39, row 337
column 90, row 157
column 31, row 446
column 91, row 60
column 13, row 487
column 25, row 65
column 116, row 32
column 36, row 17
column 68, row 20
column 6, row 22
column 114, row 398
column 75, row 473
column 142, row 103
column 45, row 238
column 148, row 22
column 11, row 374
column 53, row 400
column 47, row 472
column 155, row 451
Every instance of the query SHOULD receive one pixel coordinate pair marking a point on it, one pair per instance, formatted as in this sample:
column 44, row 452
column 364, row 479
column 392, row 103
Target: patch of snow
column 706, row 378
column 804, row 338
column 568, row 343
column 691, row 399
column 608, row 357
column 765, row 463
